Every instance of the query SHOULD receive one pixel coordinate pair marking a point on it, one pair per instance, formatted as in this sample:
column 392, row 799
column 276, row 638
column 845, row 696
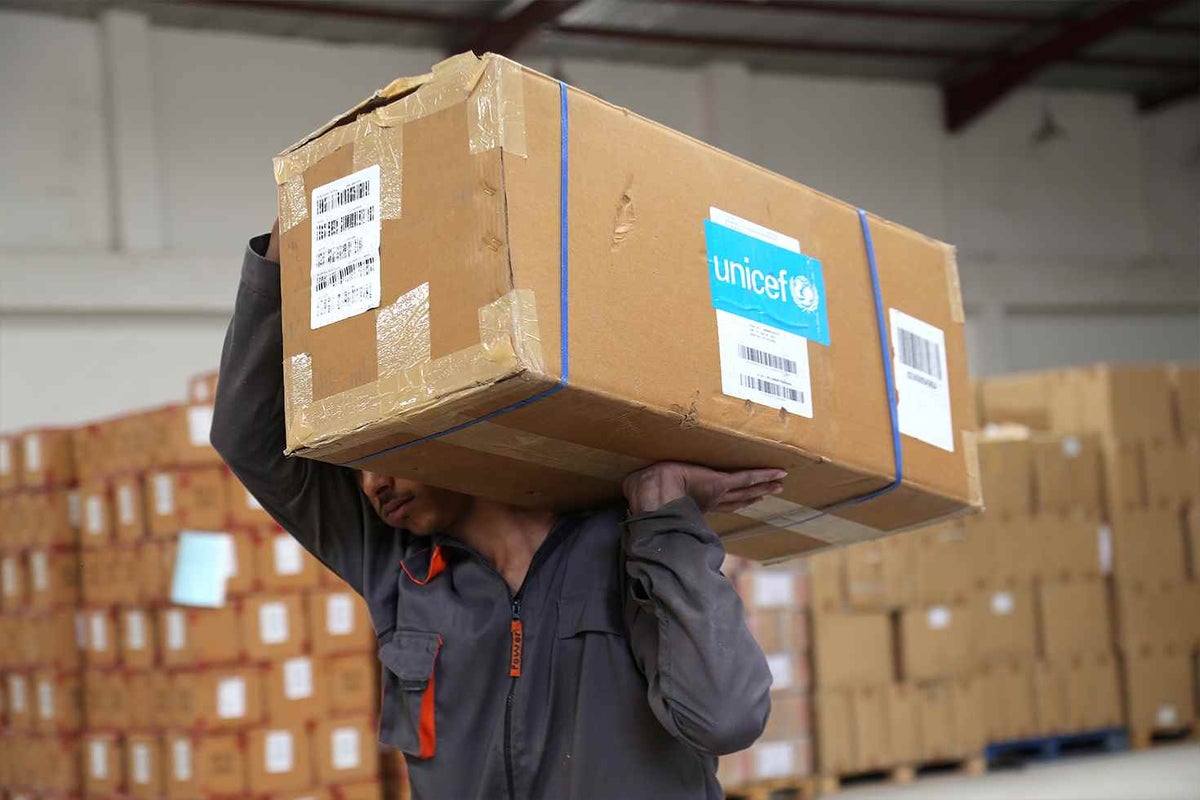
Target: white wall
column 1083, row 248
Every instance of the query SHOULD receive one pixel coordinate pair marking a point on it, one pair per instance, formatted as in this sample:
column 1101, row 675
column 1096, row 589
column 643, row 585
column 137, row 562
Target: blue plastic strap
column 564, row 336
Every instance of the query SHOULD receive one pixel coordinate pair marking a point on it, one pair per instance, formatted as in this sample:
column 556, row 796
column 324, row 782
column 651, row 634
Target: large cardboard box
column 59, row 700
column 1002, row 550
column 1003, row 624
column 182, row 432
column 468, row 321
column 835, row 731
column 827, row 580
column 1006, row 473
column 274, row 626
column 20, row 702
column 105, row 770
column 204, row 765
column 1072, row 545
column 98, row 523
column 852, row 649
column 47, row 458
column 281, row 564
column 902, row 723
column 345, row 750
column 942, row 557
column 1185, row 386
column 52, row 639
column 146, row 766
column 340, row 623
column 352, row 683
column 199, row 636
column 1067, row 473
column 13, row 582
column 778, row 630
column 1009, row 704
column 191, row 499
column 934, row 642
column 217, row 698
column 1163, row 464
column 279, row 759
column 244, row 510
column 1019, row 399
column 882, row 574
column 103, row 646
column 296, row 690
column 1073, row 618
column 1093, row 692
column 1128, row 402
column 1148, row 547
column 139, row 637
column 54, row 578
column 1160, row 691
column 1155, row 617
column 60, row 765
column 1051, row 690
column 130, row 508
column 1124, row 475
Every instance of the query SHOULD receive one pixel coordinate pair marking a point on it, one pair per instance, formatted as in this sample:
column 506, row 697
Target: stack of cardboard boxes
column 272, row 694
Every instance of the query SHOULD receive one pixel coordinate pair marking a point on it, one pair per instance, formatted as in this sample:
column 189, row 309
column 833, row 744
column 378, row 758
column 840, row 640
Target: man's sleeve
column 319, row 504
column 709, row 683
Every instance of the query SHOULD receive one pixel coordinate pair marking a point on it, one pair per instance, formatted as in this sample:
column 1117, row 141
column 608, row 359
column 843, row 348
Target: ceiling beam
column 348, row 11
column 1158, row 99
column 966, row 99
column 507, row 32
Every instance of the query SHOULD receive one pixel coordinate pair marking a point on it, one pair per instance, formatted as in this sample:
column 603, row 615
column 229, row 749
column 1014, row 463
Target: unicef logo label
column 804, row 294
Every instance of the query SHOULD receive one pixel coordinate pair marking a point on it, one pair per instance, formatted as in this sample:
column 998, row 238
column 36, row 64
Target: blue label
column 766, row 283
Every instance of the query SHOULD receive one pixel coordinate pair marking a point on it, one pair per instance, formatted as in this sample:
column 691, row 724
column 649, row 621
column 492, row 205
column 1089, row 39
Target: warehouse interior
column 1036, row 637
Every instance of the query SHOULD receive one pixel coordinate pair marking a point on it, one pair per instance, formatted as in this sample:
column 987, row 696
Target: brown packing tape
column 492, row 86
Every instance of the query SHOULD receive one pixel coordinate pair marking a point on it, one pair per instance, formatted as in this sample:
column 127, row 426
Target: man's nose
column 373, row 483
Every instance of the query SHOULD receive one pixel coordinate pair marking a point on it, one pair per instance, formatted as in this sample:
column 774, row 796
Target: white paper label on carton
column 288, row 557
column 339, row 614
column 139, row 759
column 297, row 678
column 1166, row 716
column 345, row 247
column 1071, row 447
column 345, row 747
column 938, row 617
column 774, row 588
column 99, row 759
column 5, row 457
column 125, row 511
column 231, row 698
column 176, row 630
column 252, row 502
column 135, row 630
column 273, row 623
column 773, row 759
column 8, row 576
column 94, row 515
column 922, row 382
column 1002, row 603
column 16, row 693
column 780, row 665
column 1104, row 549
column 99, row 632
column 199, row 422
column 46, row 699
column 80, row 630
column 39, row 571
column 164, row 495
column 764, row 365
column 74, row 512
column 33, row 452
column 181, row 758
column 277, row 752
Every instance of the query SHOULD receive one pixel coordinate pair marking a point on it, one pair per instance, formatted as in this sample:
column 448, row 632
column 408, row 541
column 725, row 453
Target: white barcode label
column 922, row 388
column 345, row 247
column 39, row 571
column 345, row 746
column 288, row 558
column 16, row 693
column 99, row 759
column 33, row 452
column 773, row 588
column 5, row 457
column 8, row 576
column 139, row 760
column 773, row 760
column 46, row 699
column 277, row 752
column 74, row 512
column 164, row 494
column 297, row 678
column 125, row 512
column 176, row 630
column 135, row 630
column 272, row 623
column 181, row 759
column 99, row 632
column 763, row 364
column 199, row 422
column 231, row 698
column 94, row 514
column 339, row 614
column 938, row 617
column 780, row 665
column 1002, row 603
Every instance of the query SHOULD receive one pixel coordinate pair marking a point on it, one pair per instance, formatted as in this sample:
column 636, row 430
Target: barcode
column 327, row 279
column 335, row 200
column 347, row 297
column 340, row 252
column 766, row 359
column 344, row 223
column 920, row 353
column 772, row 388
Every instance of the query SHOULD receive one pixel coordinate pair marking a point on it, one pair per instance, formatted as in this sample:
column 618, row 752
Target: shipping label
column 339, row 614
column 922, row 383
column 231, row 698
column 277, row 752
column 288, row 558
column 297, row 678
column 346, row 749
column 346, row 229
column 272, row 623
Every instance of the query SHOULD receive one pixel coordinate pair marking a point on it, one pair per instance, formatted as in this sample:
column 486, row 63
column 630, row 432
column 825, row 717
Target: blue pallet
column 1046, row 748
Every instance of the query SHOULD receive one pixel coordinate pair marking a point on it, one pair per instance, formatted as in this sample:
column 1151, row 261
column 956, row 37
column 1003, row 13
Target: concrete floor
column 1167, row 772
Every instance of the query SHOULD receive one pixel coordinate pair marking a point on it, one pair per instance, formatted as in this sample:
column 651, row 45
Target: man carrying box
column 527, row 655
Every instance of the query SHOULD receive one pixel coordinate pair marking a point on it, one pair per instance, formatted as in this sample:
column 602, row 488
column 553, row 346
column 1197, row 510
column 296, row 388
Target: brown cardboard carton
column 935, row 721
column 279, row 759
column 105, row 771
column 1022, row 399
column 217, row 698
column 968, row 715
column 161, row 699
column 902, row 723
column 1068, row 474
column 204, row 765
column 106, row 698
column 1003, row 624
column 129, row 505
column 139, row 637
column 826, row 580
column 13, row 582
column 145, row 767
column 1094, row 698
column 1124, row 475
column 872, row 741
column 199, row 636
column 778, row 630
column 933, row 641
column 188, row 499
column 1160, row 691
column 340, row 623
column 98, row 523
column 767, row 760
column 881, row 575
column 51, row 519
column 281, row 563
column 943, row 563
column 59, row 700
column 1009, row 710
column 1147, row 547
column 835, row 731
column 202, row 388
column 62, row 765
column 1129, row 402
column 140, row 698
column 183, row 436
column 157, row 564
column 351, row 683
column 53, row 639
column 345, row 750
column 126, row 575
column 791, row 717
column 54, row 578
column 1165, row 472
column 47, row 458
column 575, row 452
column 852, row 649
column 244, row 578
column 1154, row 617
column 1051, row 688
column 1072, row 545
column 295, row 690
column 10, row 462
column 274, row 626
column 784, row 586
column 1006, row 473
column 1185, row 386
column 1189, row 466
column 96, row 570
column 1073, row 618
column 1001, row 550
column 103, row 646
column 244, row 510
column 20, row 702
